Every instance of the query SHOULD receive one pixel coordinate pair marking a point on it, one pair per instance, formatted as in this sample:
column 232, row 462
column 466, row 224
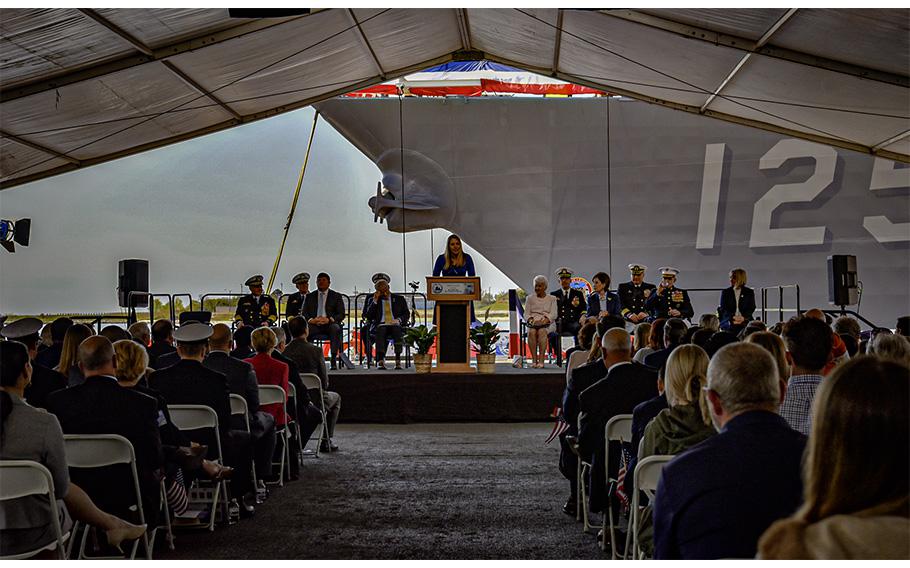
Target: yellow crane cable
column 287, row 225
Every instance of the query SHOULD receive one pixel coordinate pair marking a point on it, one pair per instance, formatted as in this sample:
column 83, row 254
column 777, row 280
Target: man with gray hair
column 716, row 499
column 141, row 333
column 626, row 385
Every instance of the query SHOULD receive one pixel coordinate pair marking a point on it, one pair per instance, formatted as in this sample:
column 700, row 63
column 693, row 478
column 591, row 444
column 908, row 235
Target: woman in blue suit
column 602, row 302
column 454, row 262
column 737, row 303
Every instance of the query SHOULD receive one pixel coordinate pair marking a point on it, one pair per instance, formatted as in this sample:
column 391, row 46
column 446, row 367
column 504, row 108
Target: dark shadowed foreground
column 413, row 491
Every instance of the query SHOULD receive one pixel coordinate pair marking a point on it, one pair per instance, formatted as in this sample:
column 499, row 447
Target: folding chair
column 89, row 451
column 618, row 429
column 647, row 474
column 273, row 394
column 312, row 382
column 239, row 408
column 198, row 417
column 581, row 505
column 292, row 394
column 21, row 478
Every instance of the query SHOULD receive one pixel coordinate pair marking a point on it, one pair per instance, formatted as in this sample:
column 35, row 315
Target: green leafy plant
column 485, row 337
column 420, row 338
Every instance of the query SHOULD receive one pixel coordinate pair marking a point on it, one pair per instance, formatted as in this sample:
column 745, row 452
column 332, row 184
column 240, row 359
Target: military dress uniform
column 633, row 296
column 570, row 306
column 659, row 304
column 294, row 307
column 258, row 310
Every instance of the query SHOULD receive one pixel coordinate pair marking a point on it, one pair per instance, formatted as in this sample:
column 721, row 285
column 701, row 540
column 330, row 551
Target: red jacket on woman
column 270, row 371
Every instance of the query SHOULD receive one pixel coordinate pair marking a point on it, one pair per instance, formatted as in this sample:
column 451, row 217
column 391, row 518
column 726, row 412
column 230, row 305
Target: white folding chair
column 21, row 478
column 273, row 394
column 199, row 417
column 581, row 505
column 618, row 429
column 240, row 408
column 292, row 393
column 88, row 451
column 575, row 360
column 312, row 382
column 647, row 474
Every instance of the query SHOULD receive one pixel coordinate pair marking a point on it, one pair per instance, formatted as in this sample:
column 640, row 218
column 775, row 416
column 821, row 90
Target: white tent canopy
column 80, row 87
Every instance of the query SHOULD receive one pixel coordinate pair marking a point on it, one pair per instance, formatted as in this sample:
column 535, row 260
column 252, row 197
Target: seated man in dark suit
column 324, row 311
column 301, row 409
column 162, row 342
column 626, row 385
column 44, row 381
column 101, row 406
column 243, row 347
column 50, row 357
column 190, row 382
column 674, row 331
column 716, row 499
column 309, row 359
column 385, row 315
column 241, row 380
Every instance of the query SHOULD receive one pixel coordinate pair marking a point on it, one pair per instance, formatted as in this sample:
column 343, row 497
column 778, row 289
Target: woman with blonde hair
column 640, row 336
column 856, row 478
column 69, row 356
column 775, row 345
column 454, row 261
column 687, row 421
column 737, row 303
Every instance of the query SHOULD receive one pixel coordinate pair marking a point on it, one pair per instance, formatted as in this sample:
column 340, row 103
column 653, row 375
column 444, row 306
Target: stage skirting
column 400, row 397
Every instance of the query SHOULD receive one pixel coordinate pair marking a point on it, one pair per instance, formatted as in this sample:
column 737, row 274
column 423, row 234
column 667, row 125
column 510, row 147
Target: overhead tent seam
column 257, row 71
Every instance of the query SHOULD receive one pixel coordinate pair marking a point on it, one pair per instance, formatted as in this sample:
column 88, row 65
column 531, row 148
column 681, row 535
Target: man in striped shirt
column 808, row 342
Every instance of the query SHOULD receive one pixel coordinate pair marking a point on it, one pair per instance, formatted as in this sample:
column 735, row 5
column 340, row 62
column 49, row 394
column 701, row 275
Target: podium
column 453, row 296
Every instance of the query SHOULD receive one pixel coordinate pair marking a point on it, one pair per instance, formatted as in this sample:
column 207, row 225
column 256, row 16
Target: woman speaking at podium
column 454, row 262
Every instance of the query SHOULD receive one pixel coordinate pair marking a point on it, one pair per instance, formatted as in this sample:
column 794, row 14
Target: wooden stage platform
column 400, row 397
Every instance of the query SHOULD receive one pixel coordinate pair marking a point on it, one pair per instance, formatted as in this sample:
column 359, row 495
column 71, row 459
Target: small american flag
column 559, row 426
column 625, row 458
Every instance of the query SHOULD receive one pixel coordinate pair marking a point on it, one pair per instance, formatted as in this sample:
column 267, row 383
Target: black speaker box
column 133, row 276
column 842, row 290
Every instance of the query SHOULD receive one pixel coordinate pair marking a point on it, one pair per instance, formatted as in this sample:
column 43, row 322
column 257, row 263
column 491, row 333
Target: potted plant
column 421, row 339
column 485, row 336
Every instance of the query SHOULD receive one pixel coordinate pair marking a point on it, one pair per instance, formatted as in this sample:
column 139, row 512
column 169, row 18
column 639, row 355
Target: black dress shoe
column 571, row 507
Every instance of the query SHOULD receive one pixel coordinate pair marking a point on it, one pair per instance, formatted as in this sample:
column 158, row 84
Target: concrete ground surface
column 418, row 491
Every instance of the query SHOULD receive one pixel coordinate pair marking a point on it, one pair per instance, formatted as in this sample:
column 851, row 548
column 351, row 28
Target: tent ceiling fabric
column 80, row 87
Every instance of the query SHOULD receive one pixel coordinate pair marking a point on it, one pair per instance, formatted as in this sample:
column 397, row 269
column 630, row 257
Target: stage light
column 12, row 232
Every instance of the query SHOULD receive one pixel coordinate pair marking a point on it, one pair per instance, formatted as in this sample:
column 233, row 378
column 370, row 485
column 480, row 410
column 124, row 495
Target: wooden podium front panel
column 452, row 326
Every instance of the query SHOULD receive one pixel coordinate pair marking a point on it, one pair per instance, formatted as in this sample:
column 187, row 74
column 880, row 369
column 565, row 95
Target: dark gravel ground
column 421, row 491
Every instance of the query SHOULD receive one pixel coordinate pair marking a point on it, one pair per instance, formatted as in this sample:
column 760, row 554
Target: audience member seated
column 141, row 334
column 848, row 330
column 44, row 381
column 270, row 371
column 655, row 341
column 674, row 332
column 300, row 408
column 856, row 503
column 324, row 311
column 838, row 349
column 310, row 359
column 717, row 341
column 540, row 317
column 774, row 345
column 709, row 321
column 50, row 357
column 28, row 433
column 737, row 303
column 162, row 341
column 642, row 415
column 190, row 382
column 585, row 341
column 241, row 380
column 69, row 353
column 717, row 498
column 701, row 337
column 891, row 347
column 243, row 348
column 114, row 333
column 625, row 386
column 385, row 315
column 753, row 326
column 180, row 454
column 101, row 406
column 903, row 326
column 808, row 342
column 684, row 424
column 640, row 334
column 690, row 333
